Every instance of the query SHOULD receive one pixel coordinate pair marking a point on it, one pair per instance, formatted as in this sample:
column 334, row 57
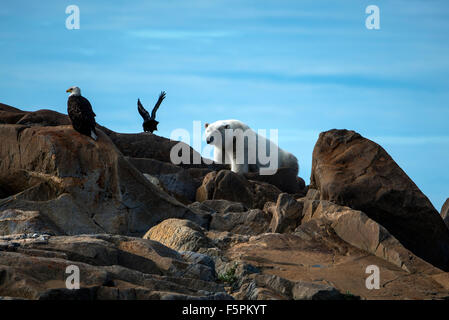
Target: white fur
column 224, row 152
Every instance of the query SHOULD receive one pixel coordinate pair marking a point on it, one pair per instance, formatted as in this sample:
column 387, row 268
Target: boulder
column 75, row 185
column 180, row 235
column 353, row 171
column 231, row 186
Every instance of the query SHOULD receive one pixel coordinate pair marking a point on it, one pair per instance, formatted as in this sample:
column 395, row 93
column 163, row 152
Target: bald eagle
column 81, row 113
column 149, row 122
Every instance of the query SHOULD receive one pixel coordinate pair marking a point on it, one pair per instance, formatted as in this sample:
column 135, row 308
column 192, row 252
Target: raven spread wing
column 158, row 103
column 144, row 113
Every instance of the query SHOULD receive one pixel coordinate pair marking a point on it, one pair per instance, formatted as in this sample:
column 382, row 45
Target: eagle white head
column 74, row 91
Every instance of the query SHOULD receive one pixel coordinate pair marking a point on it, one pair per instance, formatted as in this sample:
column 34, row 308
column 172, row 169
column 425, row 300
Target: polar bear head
column 216, row 131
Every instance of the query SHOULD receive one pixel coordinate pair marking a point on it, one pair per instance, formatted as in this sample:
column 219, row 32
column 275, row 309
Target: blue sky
column 299, row 66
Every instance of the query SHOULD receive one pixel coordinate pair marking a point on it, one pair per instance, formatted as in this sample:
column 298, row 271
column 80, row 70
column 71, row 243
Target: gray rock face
column 353, row 171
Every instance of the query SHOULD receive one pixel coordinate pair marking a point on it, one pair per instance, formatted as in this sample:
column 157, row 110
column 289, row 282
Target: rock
column 353, row 171
column 268, row 287
column 286, row 213
column 225, row 185
column 357, row 229
column 137, row 146
column 223, row 206
column 285, row 179
column 228, row 185
column 252, row 222
column 216, row 248
column 174, row 179
column 198, row 258
column 445, row 212
column 10, row 115
column 224, row 239
column 111, row 267
column 314, row 291
column 316, row 254
column 76, row 185
column 180, row 235
column 14, row 221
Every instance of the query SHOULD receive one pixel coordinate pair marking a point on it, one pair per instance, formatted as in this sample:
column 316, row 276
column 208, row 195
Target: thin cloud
column 179, row 34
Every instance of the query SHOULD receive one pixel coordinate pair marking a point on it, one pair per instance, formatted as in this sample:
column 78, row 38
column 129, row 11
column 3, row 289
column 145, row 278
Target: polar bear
column 235, row 143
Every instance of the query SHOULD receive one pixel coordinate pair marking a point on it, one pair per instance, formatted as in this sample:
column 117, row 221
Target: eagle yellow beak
column 68, row 90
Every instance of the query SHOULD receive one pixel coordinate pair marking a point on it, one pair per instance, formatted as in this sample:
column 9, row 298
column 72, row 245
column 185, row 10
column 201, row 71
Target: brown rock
column 356, row 172
column 231, row 186
column 286, row 213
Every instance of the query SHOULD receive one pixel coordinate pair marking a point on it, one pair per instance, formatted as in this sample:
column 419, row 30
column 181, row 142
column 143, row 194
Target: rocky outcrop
column 357, row 229
column 208, row 233
column 75, row 185
column 314, row 253
column 111, row 268
column 353, row 171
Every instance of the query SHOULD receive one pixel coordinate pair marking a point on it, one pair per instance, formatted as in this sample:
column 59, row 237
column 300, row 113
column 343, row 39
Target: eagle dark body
column 81, row 114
